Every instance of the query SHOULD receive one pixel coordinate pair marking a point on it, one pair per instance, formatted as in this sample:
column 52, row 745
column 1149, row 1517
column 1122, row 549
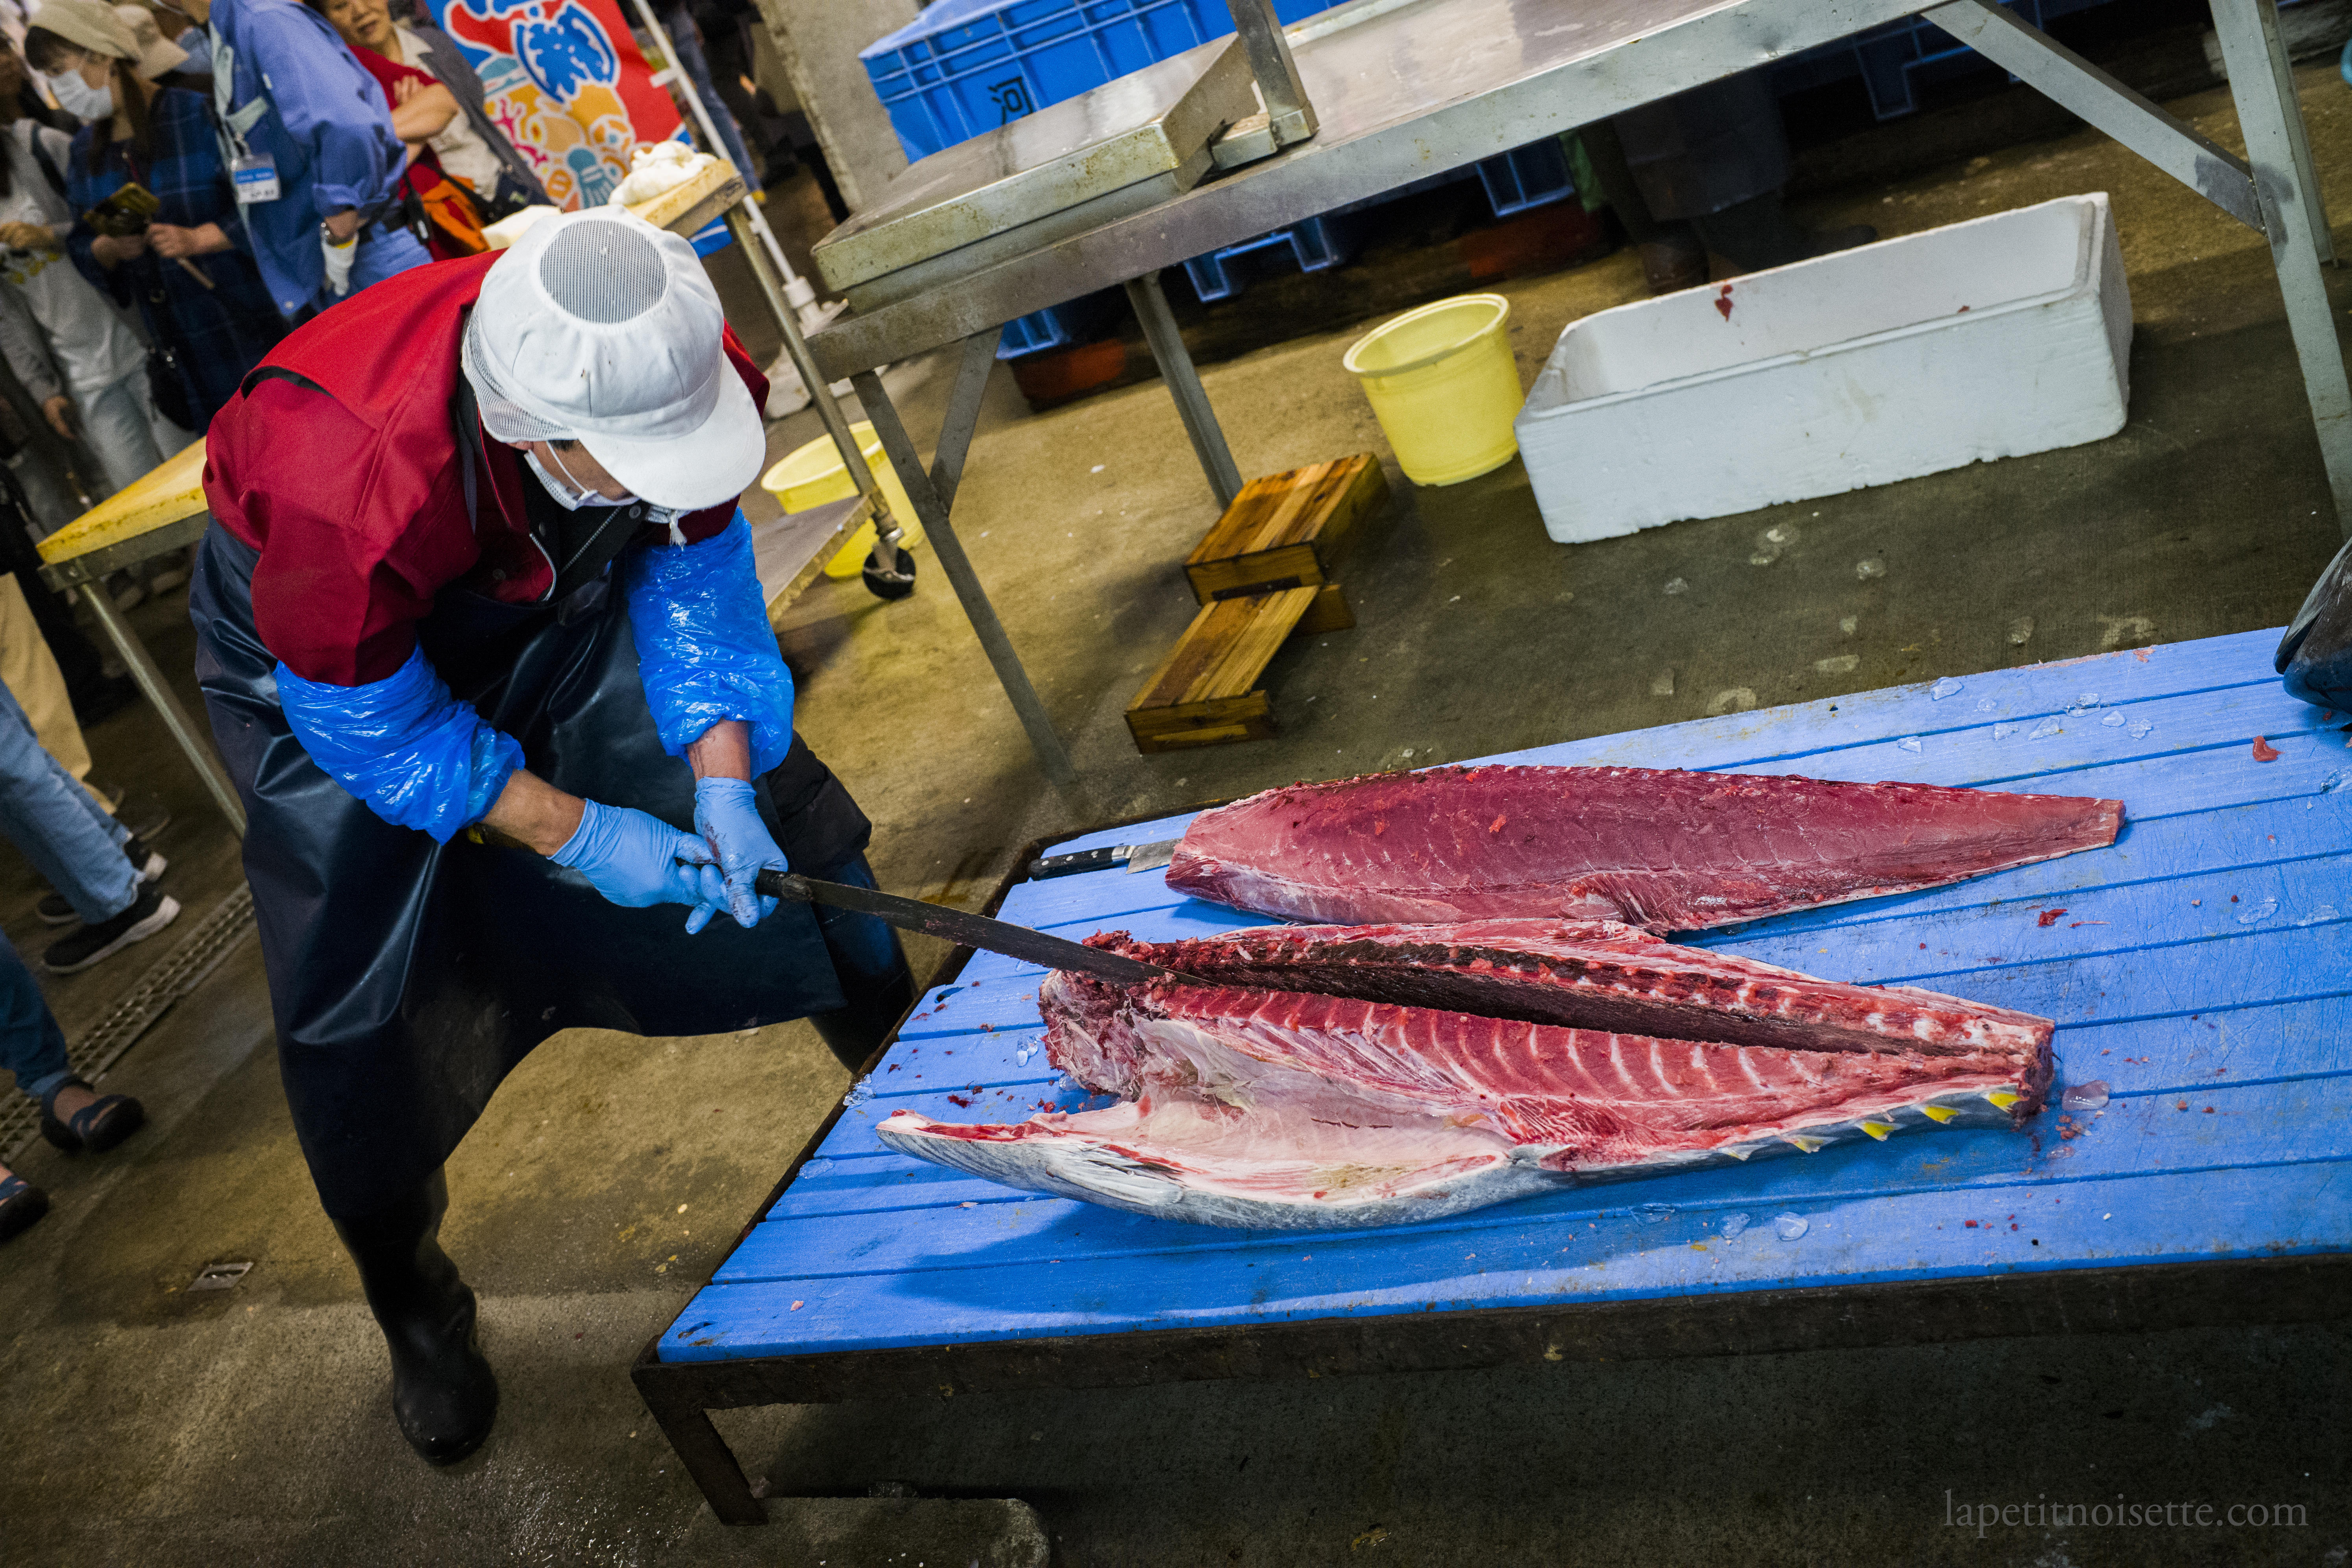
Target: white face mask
column 78, row 98
column 568, row 493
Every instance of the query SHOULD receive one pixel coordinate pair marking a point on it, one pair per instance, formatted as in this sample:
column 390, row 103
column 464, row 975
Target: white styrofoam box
column 1986, row 339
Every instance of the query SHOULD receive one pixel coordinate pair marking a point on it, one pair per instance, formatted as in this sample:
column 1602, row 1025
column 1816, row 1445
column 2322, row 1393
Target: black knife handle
column 1069, row 865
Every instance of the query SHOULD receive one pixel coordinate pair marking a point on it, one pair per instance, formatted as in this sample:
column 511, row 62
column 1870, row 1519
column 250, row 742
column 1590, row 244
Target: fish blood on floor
column 1326, row 1077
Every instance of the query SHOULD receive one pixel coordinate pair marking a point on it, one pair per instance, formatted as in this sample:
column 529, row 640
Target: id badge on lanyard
column 255, row 176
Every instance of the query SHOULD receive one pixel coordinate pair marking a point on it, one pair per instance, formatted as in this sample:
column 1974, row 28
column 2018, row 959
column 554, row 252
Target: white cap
column 597, row 326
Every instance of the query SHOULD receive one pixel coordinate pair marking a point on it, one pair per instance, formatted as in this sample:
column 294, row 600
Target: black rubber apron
column 409, row 977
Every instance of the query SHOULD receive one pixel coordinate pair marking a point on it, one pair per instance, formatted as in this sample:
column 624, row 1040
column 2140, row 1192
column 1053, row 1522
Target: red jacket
column 349, row 487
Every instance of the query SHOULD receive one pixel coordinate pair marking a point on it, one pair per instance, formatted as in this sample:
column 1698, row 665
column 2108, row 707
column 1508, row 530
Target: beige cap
column 158, row 55
column 88, row 24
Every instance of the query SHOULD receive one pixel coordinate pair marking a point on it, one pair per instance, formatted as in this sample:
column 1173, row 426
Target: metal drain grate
column 182, row 971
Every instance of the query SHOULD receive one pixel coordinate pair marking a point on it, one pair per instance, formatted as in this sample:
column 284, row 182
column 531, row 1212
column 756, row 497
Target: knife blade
column 965, row 929
column 1134, row 856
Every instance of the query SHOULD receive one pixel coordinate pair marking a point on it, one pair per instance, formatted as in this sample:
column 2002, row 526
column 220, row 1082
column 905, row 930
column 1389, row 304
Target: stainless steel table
column 1405, row 89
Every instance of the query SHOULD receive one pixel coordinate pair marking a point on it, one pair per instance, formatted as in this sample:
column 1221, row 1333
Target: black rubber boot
column 874, row 975
column 444, row 1394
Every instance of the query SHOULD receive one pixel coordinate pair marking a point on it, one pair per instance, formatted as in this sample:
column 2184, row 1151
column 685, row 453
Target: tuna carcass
column 1669, row 850
column 1319, row 1077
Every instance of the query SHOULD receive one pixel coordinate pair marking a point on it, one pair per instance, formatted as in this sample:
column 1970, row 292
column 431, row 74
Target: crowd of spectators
column 180, row 186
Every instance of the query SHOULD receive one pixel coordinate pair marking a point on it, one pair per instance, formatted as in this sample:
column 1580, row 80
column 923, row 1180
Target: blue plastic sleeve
column 418, row 756
column 705, row 651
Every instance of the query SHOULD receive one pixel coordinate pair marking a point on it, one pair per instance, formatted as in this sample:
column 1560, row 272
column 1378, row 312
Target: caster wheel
column 896, row 585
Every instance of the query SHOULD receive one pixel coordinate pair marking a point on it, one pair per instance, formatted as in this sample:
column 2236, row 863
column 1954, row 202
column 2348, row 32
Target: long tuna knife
column 1134, row 856
column 966, row 930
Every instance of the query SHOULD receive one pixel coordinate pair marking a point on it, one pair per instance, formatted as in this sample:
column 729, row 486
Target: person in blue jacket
column 310, row 150
column 476, row 572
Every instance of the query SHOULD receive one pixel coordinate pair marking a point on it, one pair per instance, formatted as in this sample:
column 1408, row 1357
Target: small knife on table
column 1134, row 856
column 965, row 931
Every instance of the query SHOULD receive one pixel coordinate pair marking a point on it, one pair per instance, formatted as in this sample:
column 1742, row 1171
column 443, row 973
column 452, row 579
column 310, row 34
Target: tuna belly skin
column 1211, row 1163
column 1603, row 1094
column 1598, row 974
column 1670, row 850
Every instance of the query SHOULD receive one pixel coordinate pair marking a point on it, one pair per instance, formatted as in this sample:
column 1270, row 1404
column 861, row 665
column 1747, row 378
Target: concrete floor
column 613, row 1174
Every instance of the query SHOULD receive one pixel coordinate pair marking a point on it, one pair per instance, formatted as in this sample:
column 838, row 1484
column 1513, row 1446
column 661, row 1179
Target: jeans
column 58, row 827
column 31, row 1044
column 384, row 249
column 686, row 39
column 123, row 430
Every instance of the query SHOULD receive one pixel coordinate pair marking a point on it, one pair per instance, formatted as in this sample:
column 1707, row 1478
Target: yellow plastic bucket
column 813, row 475
column 1443, row 383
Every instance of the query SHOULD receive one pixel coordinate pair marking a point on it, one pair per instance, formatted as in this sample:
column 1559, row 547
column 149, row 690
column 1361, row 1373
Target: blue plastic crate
column 1892, row 60
column 1525, row 177
column 1078, row 320
column 965, row 66
column 1318, row 244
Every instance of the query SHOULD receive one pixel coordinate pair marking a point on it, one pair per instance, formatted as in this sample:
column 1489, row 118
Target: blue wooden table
column 2201, row 968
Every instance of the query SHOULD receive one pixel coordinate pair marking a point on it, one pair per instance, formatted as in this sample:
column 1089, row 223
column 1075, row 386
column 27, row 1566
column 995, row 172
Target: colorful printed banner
column 566, row 84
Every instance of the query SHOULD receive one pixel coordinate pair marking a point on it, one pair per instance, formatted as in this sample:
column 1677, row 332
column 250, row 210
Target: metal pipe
column 1030, row 708
column 887, row 531
column 175, row 718
column 746, row 221
column 2074, row 83
column 2267, row 114
column 1184, row 386
column 701, row 112
column 963, row 414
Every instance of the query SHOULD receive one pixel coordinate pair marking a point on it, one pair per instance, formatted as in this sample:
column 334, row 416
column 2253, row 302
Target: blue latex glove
column 727, row 814
column 637, row 859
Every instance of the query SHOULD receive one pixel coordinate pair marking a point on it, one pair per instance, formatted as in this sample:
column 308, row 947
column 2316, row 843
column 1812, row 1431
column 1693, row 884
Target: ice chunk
column 1655, row 1213
column 2114, row 719
column 2089, row 1096
column 2141, row 728
column 816, row 1168
column 1733, row 1223
column 2258, row 913
column 1947, row 687
column 1909, row 743
column 2047, row 728
column 1790, row 1227
column 860, row 1093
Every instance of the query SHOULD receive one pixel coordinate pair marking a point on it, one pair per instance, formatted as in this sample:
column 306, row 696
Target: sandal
column 21, row 1204
column 96, row 1127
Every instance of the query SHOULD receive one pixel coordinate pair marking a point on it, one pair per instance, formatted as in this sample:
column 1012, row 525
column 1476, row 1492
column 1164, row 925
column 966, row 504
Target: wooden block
column 1287, row 526
column 1205, row 692
column 1328, row 613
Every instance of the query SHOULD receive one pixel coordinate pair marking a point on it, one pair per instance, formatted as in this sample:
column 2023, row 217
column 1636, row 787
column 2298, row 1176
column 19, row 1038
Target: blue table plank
column 2162, row 987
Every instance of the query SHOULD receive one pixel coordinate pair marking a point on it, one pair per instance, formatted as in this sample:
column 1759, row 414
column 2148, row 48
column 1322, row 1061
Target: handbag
column 167, row 384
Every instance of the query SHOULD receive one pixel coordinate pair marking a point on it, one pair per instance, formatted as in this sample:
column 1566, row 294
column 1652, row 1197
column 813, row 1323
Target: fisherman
column 476, row 564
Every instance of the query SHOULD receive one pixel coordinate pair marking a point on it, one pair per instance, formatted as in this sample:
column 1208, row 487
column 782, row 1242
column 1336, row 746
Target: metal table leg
column 1184, row 386
column 931, row 506
column 2273, row 190
column 175, row 718
column 2294, row 220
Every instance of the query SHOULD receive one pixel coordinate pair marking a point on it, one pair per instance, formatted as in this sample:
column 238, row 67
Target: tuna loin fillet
column 1669, row 850
column 1285, row 1109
